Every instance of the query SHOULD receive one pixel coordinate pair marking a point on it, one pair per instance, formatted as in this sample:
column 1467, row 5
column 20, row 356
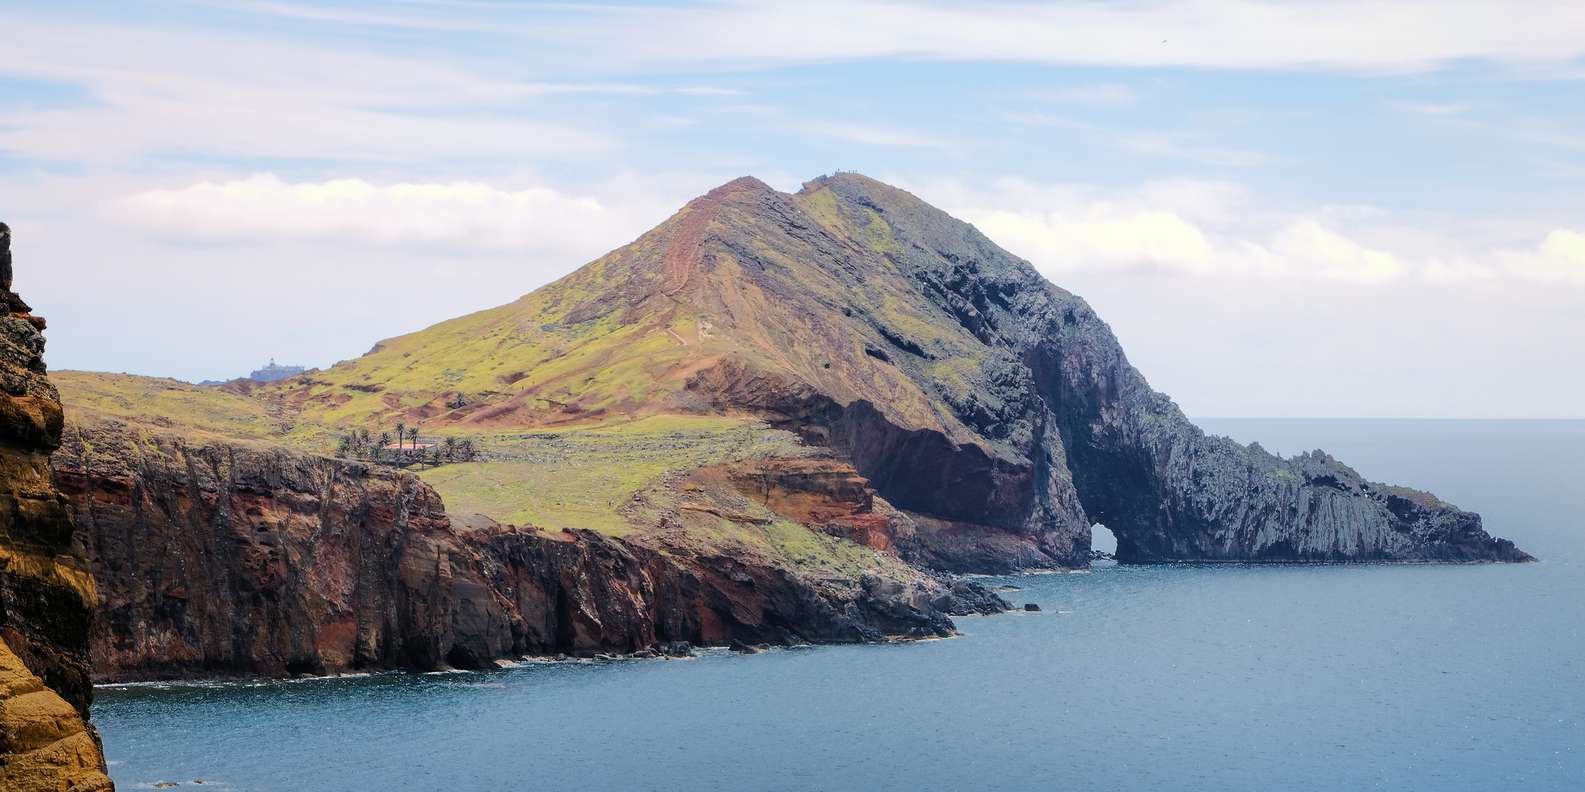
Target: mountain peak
column 740, row 185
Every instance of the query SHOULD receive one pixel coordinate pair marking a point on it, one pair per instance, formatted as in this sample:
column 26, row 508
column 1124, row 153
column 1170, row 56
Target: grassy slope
column 194, row 409
column 586, row 477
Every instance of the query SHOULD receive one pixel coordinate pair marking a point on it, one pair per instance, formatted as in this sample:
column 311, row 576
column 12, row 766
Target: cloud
column 871, row 135
column 1431, row 108
column 1159, row 240
column 1559, row 259
column 469, row 215
column 1205, row 229
column 1308, row 249
column 196, row 93
column 1235, row 34
column 1169, row 146
column 1145, row 143
column 1101, row 237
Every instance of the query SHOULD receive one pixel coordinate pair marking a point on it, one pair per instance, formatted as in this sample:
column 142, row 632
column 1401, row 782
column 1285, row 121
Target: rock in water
column 46, row 592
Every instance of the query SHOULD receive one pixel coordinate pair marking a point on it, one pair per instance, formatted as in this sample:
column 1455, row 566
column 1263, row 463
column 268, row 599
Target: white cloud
column 1100, row 237
column 1431, row 108
column 871, row 135
column 1328, row 34
column 1221, row 230
column 1159, row 240
column 1168, row 146
column 186, row 91
column 1148, row 143
column 469, row 215
column 1560, row 259
column 1308, row 249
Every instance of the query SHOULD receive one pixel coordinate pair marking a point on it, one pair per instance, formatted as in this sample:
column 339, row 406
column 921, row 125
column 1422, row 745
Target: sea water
column 1194, row 677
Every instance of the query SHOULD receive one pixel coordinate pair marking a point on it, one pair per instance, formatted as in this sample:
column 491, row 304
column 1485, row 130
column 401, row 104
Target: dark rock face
column 218, row 558
column 1099, row 446
column 227, row 559
column 46, row 593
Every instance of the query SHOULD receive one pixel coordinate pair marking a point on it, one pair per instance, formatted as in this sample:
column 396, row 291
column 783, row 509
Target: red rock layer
column 218, row 558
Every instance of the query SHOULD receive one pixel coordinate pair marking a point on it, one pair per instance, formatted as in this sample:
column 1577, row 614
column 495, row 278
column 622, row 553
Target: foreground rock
column 218, row 558
column 46, row 593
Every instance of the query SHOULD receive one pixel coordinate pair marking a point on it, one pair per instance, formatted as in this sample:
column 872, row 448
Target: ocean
column 1179, row 677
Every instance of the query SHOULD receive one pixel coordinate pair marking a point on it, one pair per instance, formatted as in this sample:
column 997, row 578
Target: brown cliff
column 220, row 558
column 46, row 593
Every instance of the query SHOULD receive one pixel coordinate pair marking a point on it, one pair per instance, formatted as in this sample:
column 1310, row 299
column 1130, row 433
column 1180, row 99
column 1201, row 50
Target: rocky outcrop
column 222, row 558
column 1097, row 445
column 46, row 593
column 217, row 558
column 995, row 410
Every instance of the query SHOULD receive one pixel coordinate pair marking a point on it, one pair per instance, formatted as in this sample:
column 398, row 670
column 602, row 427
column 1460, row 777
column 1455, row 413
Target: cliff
column 217, row 558
column 46, row 593
column 1101, row 446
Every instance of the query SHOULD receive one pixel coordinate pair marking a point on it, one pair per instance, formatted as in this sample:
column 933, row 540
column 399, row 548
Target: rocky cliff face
column 46, row 593
column 216, row 558
column 1102, row 447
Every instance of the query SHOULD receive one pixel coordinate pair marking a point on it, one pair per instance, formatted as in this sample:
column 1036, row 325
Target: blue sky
column 1301, row 208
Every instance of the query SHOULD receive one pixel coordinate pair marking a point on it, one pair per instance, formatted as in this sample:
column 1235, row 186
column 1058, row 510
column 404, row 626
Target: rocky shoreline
column 219, row 558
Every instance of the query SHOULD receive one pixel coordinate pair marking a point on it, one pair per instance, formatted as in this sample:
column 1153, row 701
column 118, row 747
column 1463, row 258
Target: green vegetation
column 199, row 409
column 587, row 477
column 362, row 444
column 817, row 552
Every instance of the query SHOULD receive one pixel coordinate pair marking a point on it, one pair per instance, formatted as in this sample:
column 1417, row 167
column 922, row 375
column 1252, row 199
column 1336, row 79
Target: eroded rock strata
column 217, row 558
column 46, row 592
column 1106, row 448
column 1041, row 427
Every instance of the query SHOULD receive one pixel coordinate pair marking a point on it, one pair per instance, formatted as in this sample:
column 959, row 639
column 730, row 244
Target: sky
column 1352, row 209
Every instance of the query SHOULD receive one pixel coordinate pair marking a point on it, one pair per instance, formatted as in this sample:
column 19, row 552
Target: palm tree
column 451, row 448
column 412, row 434
column 467, row 449
column 385, row 440
column 401, row 431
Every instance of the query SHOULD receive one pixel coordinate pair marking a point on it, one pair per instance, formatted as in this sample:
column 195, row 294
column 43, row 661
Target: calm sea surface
column 1132, row 678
